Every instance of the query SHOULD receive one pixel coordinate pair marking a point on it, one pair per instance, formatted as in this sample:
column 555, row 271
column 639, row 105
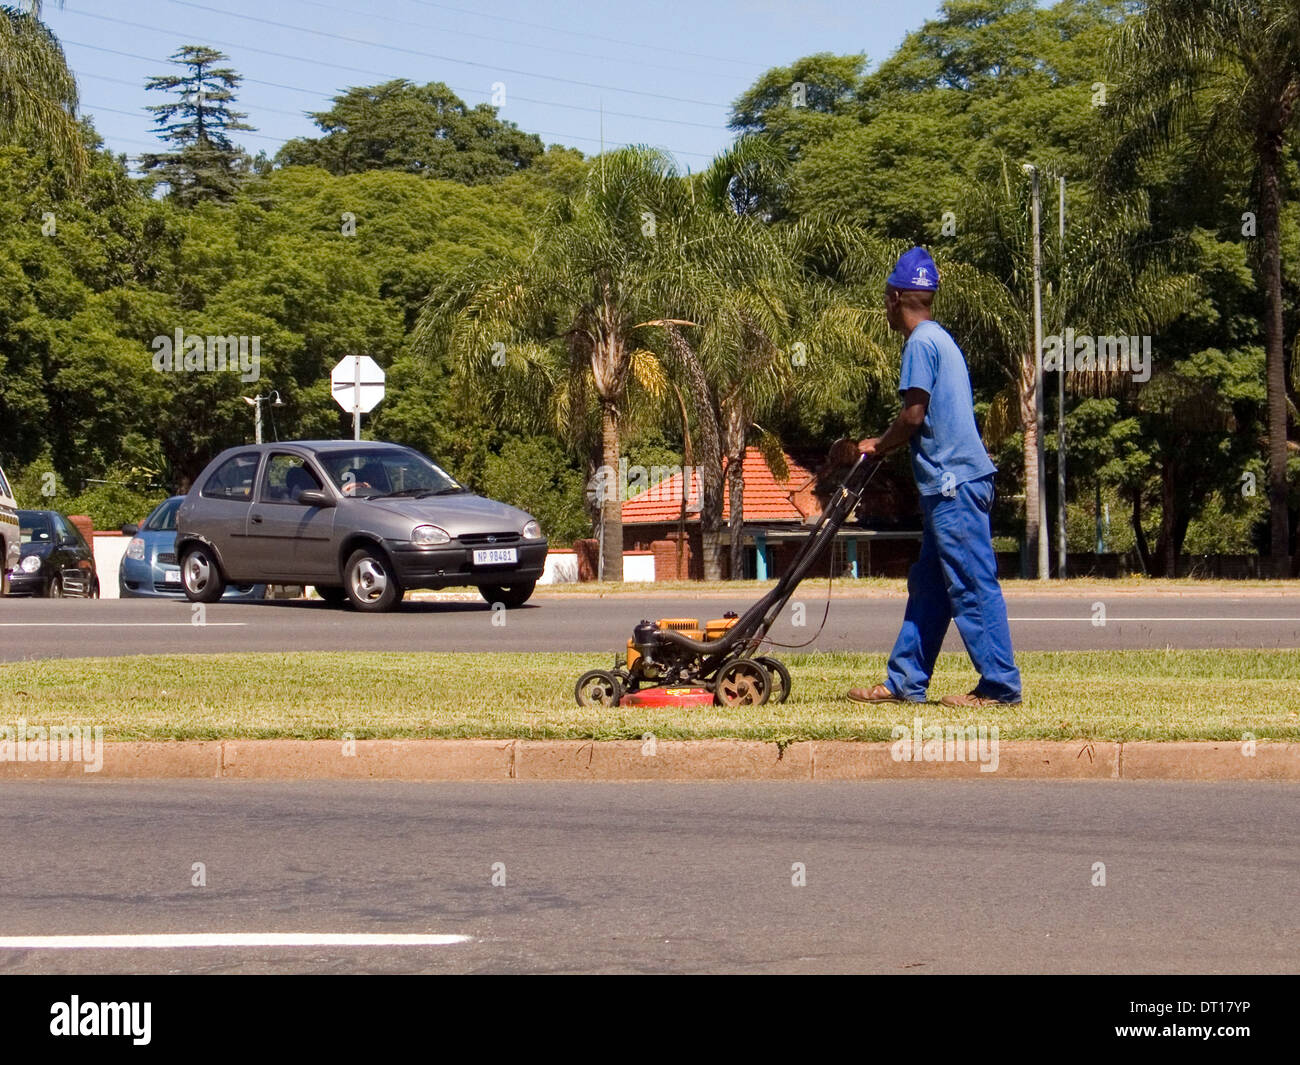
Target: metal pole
column 1044, row 558
column 356, row 402
column 1060, row 405
column 257, row 420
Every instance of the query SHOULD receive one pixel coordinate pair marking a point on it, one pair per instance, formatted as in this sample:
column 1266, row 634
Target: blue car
column 149, row 569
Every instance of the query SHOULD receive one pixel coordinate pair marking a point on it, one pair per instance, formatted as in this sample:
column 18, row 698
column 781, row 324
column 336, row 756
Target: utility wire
column 387, row 77
column 592, row 36
column 392, row 48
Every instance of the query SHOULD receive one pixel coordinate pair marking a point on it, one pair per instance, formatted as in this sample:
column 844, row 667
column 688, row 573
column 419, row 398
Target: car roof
column 331, row 445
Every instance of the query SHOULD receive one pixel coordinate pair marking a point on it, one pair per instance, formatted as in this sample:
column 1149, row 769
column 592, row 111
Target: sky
column 664, row 74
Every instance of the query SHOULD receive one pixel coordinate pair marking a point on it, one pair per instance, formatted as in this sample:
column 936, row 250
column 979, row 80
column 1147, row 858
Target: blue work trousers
column 955, row 579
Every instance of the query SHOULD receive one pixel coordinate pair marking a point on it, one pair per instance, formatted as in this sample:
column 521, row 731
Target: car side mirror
column 315, row 497
column 130, row 530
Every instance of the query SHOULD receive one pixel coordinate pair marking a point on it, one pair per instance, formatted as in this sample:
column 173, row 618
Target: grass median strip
column 1100, row 695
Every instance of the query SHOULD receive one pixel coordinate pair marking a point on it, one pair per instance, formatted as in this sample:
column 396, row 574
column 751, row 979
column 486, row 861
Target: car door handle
column 257, row 519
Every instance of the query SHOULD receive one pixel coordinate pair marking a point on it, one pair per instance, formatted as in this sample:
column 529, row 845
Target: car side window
column 70, row 529
column 233, row 479
column 285, row 477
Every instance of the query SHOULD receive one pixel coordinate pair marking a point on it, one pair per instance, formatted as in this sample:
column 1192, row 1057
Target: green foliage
column 203, row 165
column 425, row 233
column 418, row 129
column 38, row 93
column 533, row 474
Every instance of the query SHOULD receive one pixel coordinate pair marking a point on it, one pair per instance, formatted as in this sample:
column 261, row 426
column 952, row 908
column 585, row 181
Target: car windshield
column 35, row 527
column 163, row 518
column 371, row 473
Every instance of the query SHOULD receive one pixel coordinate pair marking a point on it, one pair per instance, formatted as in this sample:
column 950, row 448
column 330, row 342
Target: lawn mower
column 675, row 662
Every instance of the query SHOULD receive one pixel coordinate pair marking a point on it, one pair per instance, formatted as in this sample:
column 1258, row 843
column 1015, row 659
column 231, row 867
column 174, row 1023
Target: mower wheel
column 598, row 687
column 780, row 678
column 744, row 682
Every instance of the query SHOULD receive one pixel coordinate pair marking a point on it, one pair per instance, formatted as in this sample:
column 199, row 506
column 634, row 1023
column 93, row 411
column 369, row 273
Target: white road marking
column 1111, row 619
column 172, row 941
column 120, row 625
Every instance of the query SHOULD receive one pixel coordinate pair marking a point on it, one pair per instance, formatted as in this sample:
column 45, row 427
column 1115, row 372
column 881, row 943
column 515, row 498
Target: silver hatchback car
column 362, row 521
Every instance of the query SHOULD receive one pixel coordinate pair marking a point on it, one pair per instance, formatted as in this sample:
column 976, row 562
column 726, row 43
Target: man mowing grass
column 956, row 576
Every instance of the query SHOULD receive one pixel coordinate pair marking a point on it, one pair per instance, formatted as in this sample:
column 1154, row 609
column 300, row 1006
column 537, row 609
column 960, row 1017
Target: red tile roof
column 766, row 498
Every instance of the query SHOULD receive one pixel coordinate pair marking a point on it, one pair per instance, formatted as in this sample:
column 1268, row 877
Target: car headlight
column 429, row 535
column 135, row 549
column 30, row 564
column 532, row 531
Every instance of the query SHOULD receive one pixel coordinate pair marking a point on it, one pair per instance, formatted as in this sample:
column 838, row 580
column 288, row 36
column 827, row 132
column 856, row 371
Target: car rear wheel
column 370, row 581
column 511, row 595
column 201, row 576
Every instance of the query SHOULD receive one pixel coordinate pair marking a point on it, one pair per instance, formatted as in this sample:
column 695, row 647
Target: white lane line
column 1112, row 620
column 172, row 941
column 120, row 625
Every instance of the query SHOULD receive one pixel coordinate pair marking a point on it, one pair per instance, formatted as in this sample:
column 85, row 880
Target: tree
column 567, row 319
column 205, row 164
column 420, row 129
column 1233, row 66
column 38, row 94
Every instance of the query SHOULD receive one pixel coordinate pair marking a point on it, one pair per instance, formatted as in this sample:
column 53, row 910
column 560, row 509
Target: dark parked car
column 9, row 534
column 360, row 520
column 150, row 569
column 56, row 560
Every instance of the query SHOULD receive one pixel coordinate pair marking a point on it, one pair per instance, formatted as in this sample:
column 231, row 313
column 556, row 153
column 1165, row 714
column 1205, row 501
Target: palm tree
column 1235, row 65
column 1117, row 283
column 568, row 316
column 764, row 324
column 38, row 94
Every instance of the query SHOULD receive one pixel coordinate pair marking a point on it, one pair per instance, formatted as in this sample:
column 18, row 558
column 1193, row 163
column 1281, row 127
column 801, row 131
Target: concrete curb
column 663, row 760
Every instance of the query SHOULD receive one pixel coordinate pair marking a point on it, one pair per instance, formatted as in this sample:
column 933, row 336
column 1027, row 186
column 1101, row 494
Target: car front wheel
column 370, row 581
column 201, row 576
column 511, row 595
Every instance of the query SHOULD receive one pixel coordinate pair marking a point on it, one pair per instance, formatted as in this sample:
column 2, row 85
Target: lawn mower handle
column 754, row 624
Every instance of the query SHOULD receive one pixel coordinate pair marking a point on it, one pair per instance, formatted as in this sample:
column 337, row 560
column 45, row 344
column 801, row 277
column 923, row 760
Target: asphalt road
column 74, row 628
column 901, row 877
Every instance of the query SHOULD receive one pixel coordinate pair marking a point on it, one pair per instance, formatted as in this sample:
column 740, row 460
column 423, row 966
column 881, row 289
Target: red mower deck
column 668, row 697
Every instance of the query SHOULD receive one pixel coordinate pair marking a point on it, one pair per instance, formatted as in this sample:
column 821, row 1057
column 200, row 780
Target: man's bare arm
column 916, row 401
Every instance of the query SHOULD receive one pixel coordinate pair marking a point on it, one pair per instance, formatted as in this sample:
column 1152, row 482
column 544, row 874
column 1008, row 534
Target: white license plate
column 171, row 575
column 495, row 556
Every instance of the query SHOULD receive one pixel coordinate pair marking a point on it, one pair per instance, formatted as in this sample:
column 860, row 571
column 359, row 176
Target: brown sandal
column 879, row 693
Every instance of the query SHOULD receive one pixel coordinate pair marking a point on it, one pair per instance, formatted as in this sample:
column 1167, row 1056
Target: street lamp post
column 1060, row 403
column 256, row 403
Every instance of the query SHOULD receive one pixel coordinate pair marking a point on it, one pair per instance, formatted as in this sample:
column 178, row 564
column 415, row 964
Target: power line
column 386, row 76
column 392, row 48
column 135, row 84
column 532, row 45
column 592, row 36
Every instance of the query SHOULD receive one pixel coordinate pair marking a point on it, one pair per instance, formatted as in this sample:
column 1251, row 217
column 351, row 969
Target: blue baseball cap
column 915, row 269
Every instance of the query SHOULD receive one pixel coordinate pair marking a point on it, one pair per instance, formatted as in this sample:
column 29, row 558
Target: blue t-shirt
column 946, row 450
